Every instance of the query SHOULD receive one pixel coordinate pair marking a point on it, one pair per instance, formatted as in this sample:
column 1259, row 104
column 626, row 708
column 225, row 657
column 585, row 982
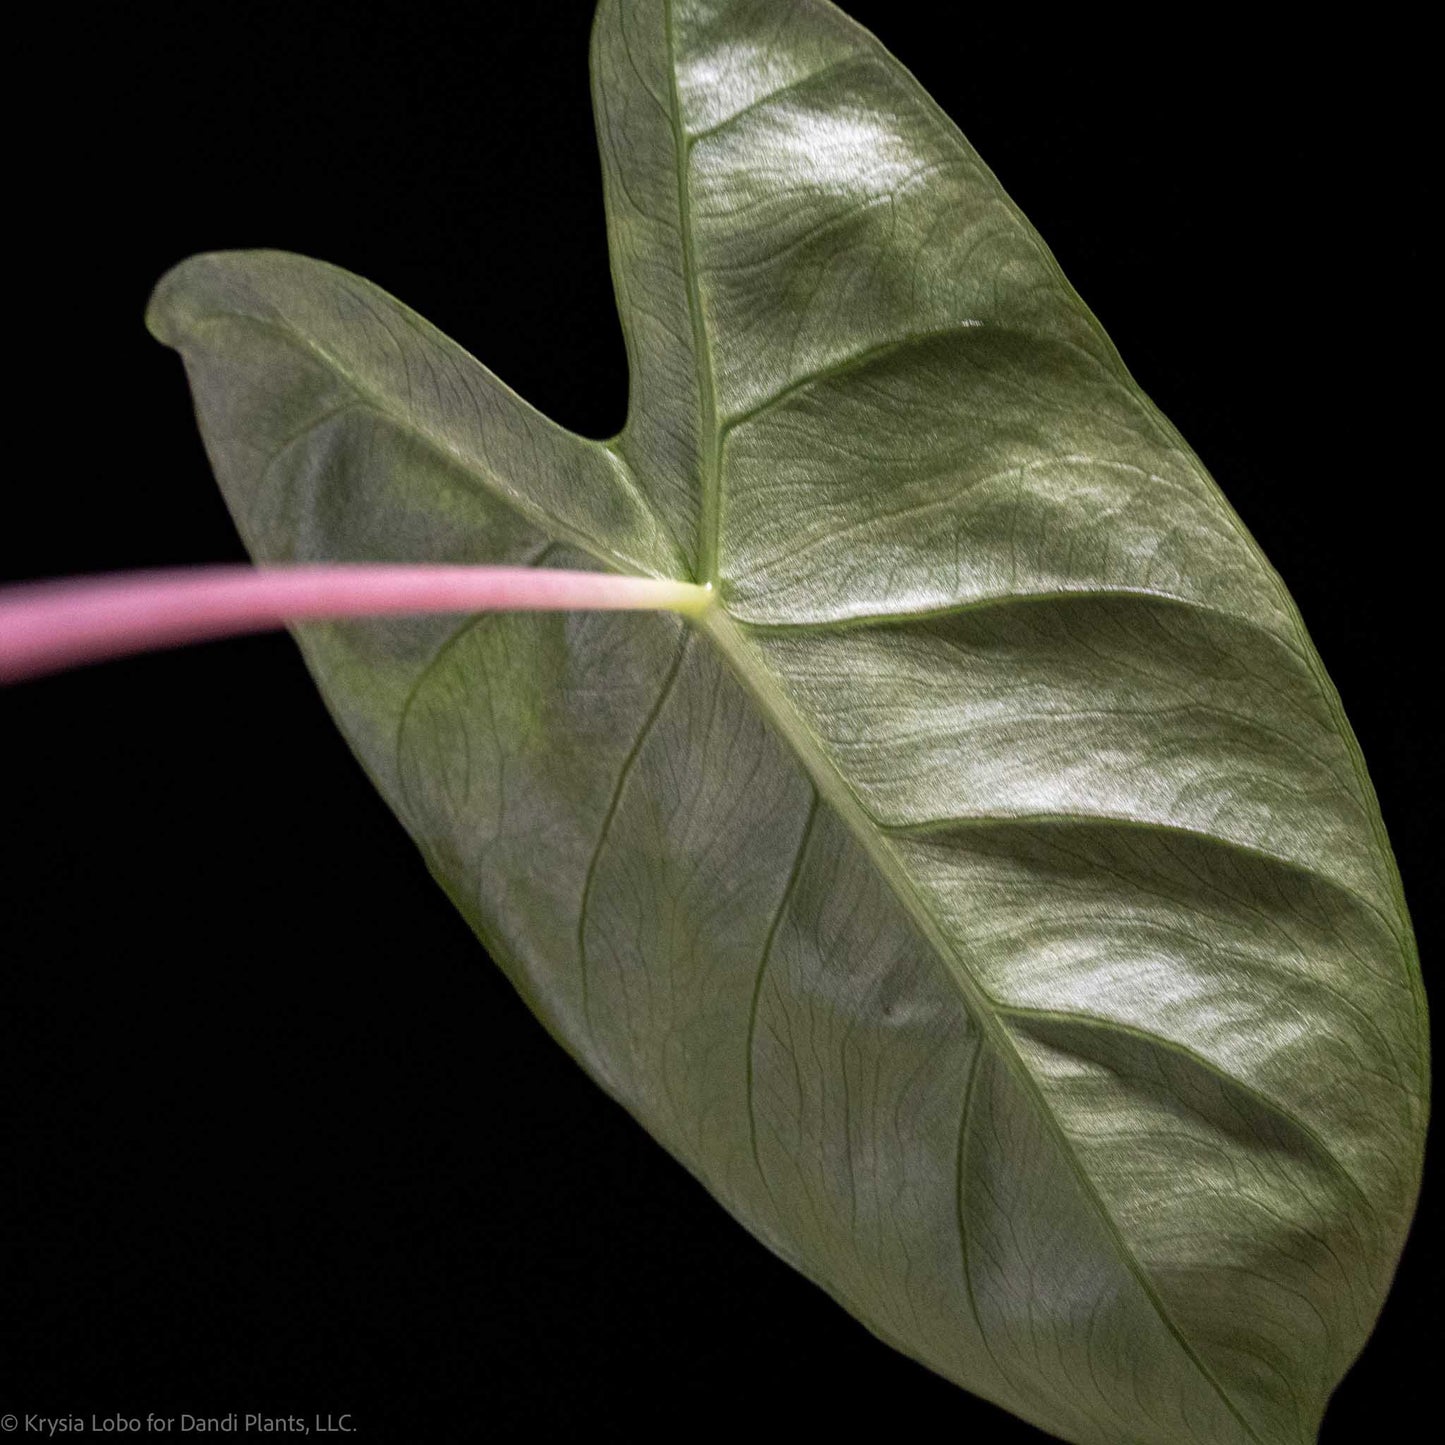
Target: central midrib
column 752, row 673
column 746, row 664
column 709, row 434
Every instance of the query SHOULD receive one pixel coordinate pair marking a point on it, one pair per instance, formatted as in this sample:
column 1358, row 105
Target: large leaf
column 986, row 899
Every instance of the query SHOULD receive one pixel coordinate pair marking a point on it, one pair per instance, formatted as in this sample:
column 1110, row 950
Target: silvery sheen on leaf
column 986, row 898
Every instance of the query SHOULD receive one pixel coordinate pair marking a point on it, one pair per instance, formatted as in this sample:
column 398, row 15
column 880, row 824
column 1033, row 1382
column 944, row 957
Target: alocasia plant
column 984, row 895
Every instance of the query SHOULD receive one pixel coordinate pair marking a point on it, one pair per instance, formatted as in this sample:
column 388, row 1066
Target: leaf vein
column 628, row 763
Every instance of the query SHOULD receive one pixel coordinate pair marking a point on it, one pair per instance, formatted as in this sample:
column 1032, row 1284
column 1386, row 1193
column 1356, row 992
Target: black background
column 280, row 1138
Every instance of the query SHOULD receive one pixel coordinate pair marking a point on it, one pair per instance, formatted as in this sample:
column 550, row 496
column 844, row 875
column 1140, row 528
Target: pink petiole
column 51, row 625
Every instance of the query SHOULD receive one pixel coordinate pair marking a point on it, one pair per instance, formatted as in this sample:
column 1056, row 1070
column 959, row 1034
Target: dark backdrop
column 280, row 1137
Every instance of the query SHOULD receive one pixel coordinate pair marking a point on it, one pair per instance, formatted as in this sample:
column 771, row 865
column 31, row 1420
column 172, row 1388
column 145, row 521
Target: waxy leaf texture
column 985, row 898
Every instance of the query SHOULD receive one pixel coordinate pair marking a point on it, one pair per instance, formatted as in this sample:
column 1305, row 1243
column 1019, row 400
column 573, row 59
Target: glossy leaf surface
column 986, row 898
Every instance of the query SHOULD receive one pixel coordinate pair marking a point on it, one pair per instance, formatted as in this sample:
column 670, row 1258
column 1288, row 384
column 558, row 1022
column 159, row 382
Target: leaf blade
column 830, row 886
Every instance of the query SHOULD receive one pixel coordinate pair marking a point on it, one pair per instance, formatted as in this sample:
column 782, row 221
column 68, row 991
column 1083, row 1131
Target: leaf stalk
column 48, row 626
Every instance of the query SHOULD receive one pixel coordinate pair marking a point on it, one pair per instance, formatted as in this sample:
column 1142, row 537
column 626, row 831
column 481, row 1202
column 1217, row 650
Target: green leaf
column 986, row 899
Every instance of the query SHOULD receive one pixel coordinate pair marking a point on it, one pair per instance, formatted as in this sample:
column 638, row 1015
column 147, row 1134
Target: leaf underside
column 986, row 899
